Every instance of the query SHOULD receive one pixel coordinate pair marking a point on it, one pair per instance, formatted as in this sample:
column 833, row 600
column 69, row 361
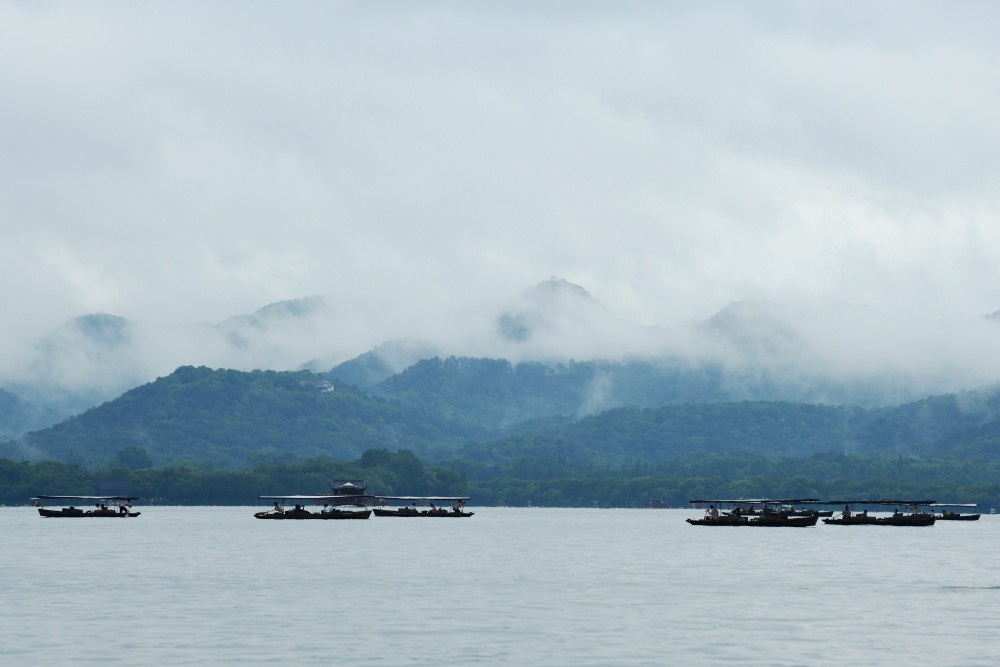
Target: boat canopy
column 128, row 498
column 965, row 505
column 758, row 501
column 427, row 498
column 880, row 501
column 327, row 496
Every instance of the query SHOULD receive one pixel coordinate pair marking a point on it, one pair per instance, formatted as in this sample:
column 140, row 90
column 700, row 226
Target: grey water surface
column 539, row 587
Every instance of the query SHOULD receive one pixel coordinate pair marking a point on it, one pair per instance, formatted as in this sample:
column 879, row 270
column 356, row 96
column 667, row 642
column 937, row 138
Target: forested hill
column 488, row 414
column 228, row 417
column 497, row 393
column 935, row 427
column 648, row 411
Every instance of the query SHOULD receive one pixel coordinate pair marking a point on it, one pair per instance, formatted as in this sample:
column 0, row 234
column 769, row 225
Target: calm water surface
column 527, row 587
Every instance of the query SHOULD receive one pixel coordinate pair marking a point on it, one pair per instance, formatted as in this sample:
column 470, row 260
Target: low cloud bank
column 805, row 345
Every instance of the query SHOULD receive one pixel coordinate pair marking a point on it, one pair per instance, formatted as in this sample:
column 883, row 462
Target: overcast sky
column 188, row 161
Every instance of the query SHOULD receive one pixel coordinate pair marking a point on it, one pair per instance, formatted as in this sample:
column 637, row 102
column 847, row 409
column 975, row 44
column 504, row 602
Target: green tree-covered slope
column 486, row 414
column 225, row 417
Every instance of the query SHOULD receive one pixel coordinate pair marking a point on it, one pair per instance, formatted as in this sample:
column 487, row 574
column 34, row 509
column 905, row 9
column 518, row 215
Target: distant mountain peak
column 758, row 329
column 544, row 306
column 94, row 328
column 87, row 360
column 382, row 362
column 559, row 288
column 744, row 309
column 279, row 311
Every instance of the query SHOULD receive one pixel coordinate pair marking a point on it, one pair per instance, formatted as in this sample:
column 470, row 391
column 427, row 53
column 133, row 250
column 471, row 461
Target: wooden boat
column 411, row 512
column 768, row 510
column 457, row 510
column 766, row 521
column 122, row 507
column 770, row 520
column 304, row 514
column 947, row 515
column 329, row 511
column 893, row 520
column 955, row 516
column 761, row 512
column 763, row 507
column 765, row 512
column 914, row 517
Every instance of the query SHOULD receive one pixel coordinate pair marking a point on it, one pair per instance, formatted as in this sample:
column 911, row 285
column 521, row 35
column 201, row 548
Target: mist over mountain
column 18, row 416
column 485, row 412
column 79, row 354
column 95, row 358
column 278, row 336
column 82, row 363
column 746, row 350
column 559, row 320
column 379, row 364
column 736, row 381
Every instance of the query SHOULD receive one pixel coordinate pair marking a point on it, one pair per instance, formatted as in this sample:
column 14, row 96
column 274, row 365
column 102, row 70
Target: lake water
column 526, row 587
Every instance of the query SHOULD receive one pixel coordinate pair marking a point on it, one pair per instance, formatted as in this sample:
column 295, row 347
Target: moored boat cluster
column 347, row 500
column 803, row 512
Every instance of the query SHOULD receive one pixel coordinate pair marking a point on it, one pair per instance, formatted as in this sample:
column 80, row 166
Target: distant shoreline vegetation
column 390, row 473
column 540, row 482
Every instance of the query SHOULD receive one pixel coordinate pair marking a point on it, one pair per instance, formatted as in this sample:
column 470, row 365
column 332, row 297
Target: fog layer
column 421, row 165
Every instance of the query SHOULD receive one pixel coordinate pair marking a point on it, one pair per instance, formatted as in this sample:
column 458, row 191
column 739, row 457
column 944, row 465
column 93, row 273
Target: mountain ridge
column 749, row 349
column 227, row 417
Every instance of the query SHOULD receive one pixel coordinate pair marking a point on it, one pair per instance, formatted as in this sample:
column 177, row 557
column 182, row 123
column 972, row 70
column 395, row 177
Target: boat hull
column 958, row 517
column 308, row 516
column 427, row 513
column 75, row 513
column 906, row 520
column 777, row 521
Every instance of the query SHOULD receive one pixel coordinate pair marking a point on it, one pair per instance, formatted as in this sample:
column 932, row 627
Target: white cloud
column 177, row 163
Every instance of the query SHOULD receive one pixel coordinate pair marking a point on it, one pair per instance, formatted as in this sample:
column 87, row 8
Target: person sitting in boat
column 327, row 508
column 713, row 513
column 123, row 507
column 847, row 511
column 277, row 508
